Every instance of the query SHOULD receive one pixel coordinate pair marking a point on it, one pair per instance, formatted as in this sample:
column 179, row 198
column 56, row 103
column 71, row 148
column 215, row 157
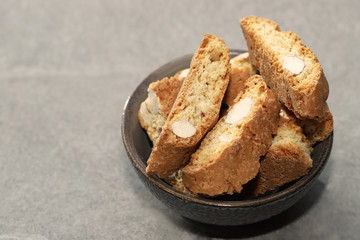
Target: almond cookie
column 156, row 108
column 241, row 69
column 287, row 159
column 290, row 68
column 228, row 157
column 195, row 110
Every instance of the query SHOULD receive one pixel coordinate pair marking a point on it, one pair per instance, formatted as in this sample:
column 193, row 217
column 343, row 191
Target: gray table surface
column 66, row 70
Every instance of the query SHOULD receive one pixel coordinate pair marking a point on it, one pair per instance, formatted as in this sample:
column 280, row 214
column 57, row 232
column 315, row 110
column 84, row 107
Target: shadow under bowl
column 226, row 210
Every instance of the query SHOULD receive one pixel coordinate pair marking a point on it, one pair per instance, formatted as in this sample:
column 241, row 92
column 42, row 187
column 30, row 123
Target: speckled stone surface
column 66, row 70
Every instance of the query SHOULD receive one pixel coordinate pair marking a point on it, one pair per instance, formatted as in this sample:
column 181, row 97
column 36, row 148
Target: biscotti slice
column 241, row 69
column 155, row 109
column 289, row 67
column 228, row 156
column 166, row 90
column 196, row 108
column 287, row 159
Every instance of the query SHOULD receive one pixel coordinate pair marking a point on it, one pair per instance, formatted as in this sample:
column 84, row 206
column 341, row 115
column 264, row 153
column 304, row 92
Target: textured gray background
column 66, row 70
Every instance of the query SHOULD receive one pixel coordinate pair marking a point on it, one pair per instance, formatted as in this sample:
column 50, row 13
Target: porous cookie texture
column 287, row 159
column 289, row 67
column 241, row 69
column 156, row 108
column 176, row 181
column 228, row 156
column 318, row 130
column 197, row 104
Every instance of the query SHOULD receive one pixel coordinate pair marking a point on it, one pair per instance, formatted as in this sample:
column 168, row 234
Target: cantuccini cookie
column 195, row 110
column 155, row 109
column 287, row 159
column 162, row 94
column 241, row 69
column 228, row 156
column 239, row 151
column 289, row 67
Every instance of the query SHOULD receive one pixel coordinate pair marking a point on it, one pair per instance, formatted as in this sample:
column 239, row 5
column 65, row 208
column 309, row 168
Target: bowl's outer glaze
column 231, row 211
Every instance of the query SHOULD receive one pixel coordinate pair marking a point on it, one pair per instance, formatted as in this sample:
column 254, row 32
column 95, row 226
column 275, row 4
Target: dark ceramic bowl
column 227, row 210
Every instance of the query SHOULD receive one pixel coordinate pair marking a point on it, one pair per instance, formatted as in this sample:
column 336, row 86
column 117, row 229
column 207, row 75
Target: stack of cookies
column 272, row 107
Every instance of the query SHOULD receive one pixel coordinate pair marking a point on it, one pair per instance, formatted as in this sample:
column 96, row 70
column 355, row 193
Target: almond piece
column 294, row 64
column 184, row 73
column 153, row 103
column 183, row 129
column 239, row 111
column 225, row 137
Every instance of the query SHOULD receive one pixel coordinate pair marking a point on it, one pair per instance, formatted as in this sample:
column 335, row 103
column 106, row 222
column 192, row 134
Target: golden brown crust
column 287, row 159
column 241, row 69
column 237, row 162
column 314, row 130
column 282, row 164
column 317, row 131
column 198, row 102
column 305, row 94
column 155, row 109
column 167, row 91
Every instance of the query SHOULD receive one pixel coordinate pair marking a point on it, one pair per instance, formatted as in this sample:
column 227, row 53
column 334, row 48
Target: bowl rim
column 135, row 159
